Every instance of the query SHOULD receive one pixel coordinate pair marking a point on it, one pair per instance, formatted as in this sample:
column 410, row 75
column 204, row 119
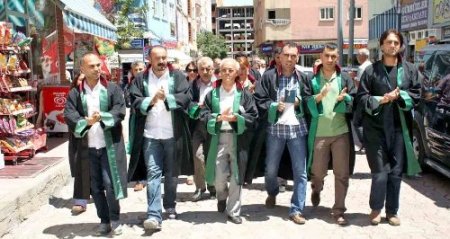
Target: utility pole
column 351, row 33
column 340, row 37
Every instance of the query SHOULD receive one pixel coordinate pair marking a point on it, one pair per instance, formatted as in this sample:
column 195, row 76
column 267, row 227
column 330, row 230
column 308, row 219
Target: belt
column 227, row 131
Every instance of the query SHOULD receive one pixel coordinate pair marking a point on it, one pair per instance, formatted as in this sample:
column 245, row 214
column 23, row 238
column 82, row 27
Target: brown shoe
column 78, row 209
column 315, row 198
column 393, row 219
column 138, row 187
column 298, row 219
column 271, row 201
column 375, row 217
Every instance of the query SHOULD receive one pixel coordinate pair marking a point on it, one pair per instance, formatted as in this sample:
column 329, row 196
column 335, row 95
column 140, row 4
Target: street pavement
column 424, row 213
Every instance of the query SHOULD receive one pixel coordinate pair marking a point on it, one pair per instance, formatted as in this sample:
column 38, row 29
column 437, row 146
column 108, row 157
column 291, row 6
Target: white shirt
column 96, row 137
column 204, row 89
column 226, row 101
column 158, row 124
column 361, row 69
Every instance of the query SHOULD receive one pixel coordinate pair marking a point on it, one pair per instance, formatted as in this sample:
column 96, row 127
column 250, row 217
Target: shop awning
column 84, row 18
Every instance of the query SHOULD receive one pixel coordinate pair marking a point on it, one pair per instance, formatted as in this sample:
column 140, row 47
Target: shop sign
column 137, row 43
column 266, row 48
column 311, row 48
column 414, row 15
column 54, row 98
column 446, row 32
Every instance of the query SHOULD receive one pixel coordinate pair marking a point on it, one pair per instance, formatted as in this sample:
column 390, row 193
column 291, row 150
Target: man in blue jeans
column 160, row 97
column 278, row 99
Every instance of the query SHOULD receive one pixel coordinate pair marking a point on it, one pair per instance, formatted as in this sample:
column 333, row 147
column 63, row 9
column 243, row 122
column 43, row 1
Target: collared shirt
column 204, row 89
column 226, row 101
column 96, row 137
column 158, row 124
column 361, row 69
column 287, row 131
column 330, row 123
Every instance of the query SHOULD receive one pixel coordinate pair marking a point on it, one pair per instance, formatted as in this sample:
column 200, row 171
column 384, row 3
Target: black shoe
column 212, row 192
column 221, row 205
column 235, row 219
column 199, row 194
column 315, row 198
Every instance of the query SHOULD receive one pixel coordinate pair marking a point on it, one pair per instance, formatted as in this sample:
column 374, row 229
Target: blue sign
column 266, row 48
column 414, row 15
column 137, row 43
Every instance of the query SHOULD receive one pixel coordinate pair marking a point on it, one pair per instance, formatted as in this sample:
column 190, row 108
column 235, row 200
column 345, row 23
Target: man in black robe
column 385, row 98
column 160, row 98
column 94, row 111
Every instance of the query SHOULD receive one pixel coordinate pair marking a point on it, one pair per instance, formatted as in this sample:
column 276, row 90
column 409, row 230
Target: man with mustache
column 160, row 98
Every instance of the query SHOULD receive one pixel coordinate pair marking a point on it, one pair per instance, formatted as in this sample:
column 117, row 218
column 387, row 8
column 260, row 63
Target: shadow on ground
column 433, row 185
column 72, row 230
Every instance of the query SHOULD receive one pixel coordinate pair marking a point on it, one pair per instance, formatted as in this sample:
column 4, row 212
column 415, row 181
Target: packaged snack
column 12, row 63
column 3, row 65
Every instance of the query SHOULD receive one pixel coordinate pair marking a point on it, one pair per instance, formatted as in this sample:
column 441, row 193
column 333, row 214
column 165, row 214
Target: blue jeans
column 386, row 185
column 107, row 206
column 159, row 155
column 297, row 150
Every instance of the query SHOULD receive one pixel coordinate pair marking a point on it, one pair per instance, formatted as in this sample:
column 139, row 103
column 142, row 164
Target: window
column 157, row 7
column 327, row 13
column 358, row 13
column 164, row 10
column 271, row 15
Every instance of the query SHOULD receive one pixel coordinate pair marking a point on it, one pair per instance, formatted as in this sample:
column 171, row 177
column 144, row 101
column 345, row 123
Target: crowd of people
column 227, row 121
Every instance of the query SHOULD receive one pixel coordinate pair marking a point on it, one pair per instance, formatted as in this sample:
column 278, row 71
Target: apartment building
column 234, row 21
column 310, row 24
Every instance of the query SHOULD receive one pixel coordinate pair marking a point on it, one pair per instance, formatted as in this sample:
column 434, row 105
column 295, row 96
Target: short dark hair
column 388, row 32
column 290, row 44
column 192, row 63
column 277, row 50
column 330, row 45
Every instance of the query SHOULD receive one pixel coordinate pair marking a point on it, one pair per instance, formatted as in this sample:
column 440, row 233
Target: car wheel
column 419, row 150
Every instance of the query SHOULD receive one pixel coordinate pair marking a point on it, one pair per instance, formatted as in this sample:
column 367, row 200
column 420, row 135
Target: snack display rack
column 18, row 137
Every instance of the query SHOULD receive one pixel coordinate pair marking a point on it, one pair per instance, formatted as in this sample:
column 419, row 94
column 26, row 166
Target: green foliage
column 126, row 31
column 211, row 45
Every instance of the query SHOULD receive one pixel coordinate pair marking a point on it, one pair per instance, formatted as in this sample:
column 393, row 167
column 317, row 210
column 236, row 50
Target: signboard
column 441, row 14
column 266, row 48
column 357, row 43
column 414, row 15
column 54, row 100
column 137, row 43
column 311, row 48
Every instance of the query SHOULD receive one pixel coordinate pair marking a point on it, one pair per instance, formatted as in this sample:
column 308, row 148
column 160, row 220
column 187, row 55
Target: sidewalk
column 20, row 197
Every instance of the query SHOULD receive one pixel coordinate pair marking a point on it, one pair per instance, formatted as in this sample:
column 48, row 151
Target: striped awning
column 84, row 18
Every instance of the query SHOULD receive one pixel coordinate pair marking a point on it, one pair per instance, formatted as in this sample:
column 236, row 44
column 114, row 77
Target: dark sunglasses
column 192, row 70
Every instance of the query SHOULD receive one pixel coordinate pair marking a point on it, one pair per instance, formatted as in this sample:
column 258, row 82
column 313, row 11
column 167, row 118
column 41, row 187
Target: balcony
column 278, row 22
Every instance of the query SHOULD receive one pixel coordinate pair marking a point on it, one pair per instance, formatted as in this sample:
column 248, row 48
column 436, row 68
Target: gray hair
column 364, row 51
column 136, row 63
column 205, row 61
column 232, row 61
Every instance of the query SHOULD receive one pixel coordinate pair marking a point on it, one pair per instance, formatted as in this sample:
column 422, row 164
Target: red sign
column 54, row 101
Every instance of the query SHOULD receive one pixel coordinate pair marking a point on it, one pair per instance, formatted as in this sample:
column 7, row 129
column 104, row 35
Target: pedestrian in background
column 94, row 112
column 329, row 97
column 230, row 112
column 387, row 91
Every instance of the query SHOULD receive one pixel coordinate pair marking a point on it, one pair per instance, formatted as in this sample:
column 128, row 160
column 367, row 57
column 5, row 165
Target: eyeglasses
column 192, row 70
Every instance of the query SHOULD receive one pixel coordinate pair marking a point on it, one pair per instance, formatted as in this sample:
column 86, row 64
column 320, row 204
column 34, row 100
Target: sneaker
column 103, row 229
column 282, row 188
column 271, row 201
column 393, row 219
column 375, row 217
column 212, row 192
column 116, row 227
column 298, row 219
column 152, row 224
column 171, row 213
column 199, row 194
column 315, row 198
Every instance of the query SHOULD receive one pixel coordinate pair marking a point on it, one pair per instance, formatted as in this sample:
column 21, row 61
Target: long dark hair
column 388, row 32
column 74, row 82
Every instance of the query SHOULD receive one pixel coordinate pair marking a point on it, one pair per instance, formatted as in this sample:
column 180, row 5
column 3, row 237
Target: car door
column 438, row 111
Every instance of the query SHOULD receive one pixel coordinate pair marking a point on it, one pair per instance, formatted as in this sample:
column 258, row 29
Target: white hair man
column 363, row 60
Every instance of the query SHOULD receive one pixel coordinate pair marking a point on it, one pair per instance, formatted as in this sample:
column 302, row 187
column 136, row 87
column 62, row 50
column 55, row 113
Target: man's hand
column 384, row 100
column 93, row 119
column 342, row 95
column 297, row 102
column 326, row 88
column 393, row 95
column 159, row 95
column 281, row 105
column 227, row 116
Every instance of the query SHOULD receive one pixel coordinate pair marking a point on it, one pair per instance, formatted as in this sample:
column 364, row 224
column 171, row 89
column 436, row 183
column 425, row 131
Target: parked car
column 431, row 132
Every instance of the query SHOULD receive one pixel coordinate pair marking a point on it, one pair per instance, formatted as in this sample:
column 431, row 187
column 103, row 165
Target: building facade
column 234, row 21
column 308, row 23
